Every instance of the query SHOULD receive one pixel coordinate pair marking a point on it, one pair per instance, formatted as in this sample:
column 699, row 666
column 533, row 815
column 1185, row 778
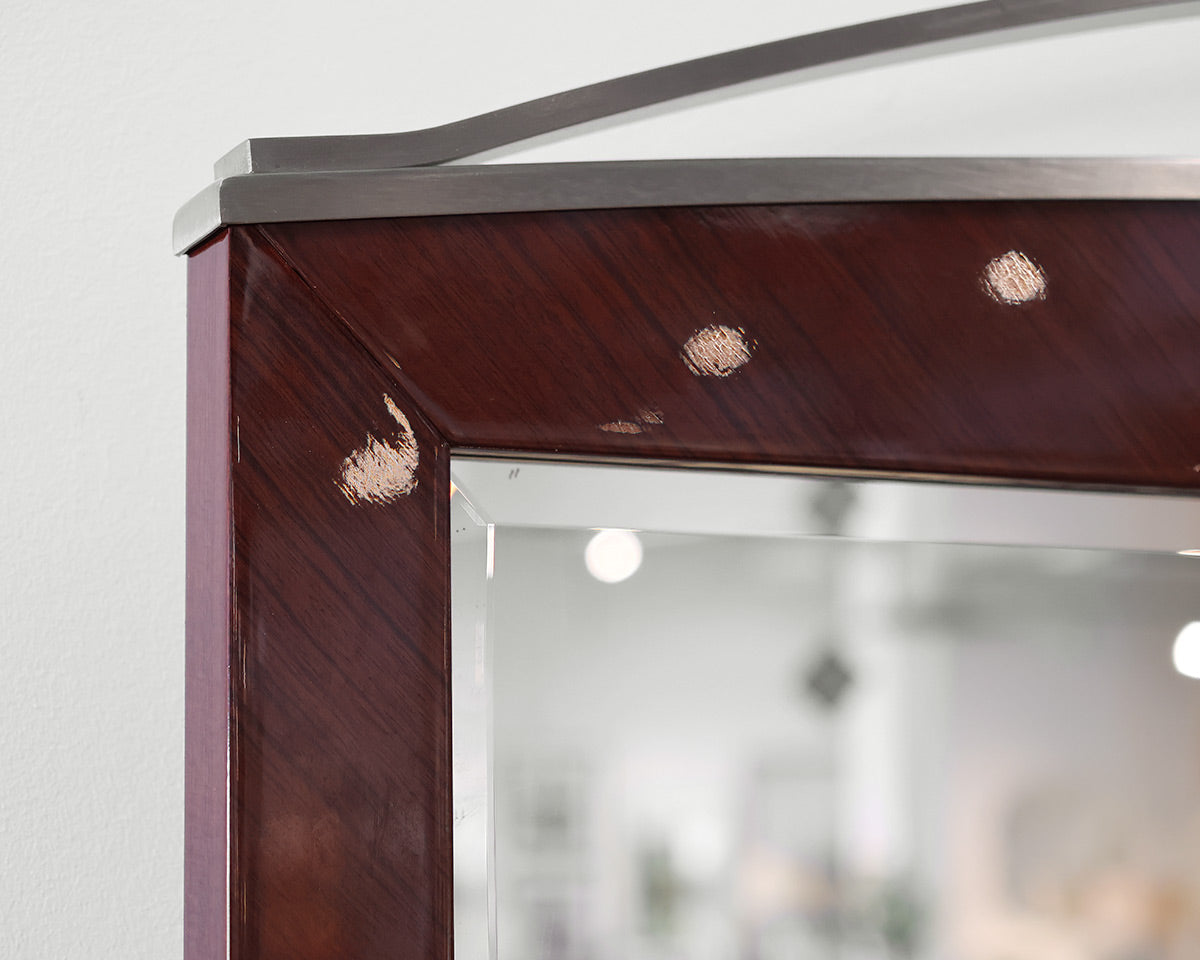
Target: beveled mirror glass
column 722, row 715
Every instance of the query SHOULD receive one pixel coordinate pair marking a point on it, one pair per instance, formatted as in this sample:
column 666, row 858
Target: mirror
column 725, row 716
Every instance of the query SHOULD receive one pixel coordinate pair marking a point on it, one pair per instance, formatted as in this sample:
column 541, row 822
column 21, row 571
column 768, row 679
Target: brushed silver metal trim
column 994, row 20
column 198, row 219
column 509, row 188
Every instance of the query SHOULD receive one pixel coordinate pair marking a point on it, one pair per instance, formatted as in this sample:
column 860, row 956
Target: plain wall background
column 110, row 117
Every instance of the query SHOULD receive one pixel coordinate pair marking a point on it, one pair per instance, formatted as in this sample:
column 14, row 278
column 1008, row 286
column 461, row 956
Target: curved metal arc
column 488, row 131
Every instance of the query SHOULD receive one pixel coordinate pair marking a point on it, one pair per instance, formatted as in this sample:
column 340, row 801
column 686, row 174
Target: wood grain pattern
column 877, row 345
column 323, row 355
column 340, row 835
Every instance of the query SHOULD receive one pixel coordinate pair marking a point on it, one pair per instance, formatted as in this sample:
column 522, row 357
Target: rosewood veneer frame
column 335, row 365
column 318, row 789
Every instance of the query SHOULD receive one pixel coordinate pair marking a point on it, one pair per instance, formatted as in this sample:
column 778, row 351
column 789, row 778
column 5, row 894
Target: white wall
column 110, row 115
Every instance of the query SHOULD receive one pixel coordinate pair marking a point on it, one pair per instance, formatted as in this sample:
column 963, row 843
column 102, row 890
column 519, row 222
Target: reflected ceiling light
column 1186, row 654
column 1189, row 553
column 613, row 555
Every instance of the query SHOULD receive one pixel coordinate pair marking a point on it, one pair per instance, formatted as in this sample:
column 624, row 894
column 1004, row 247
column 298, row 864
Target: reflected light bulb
column 1186, row 653
column 613, row 555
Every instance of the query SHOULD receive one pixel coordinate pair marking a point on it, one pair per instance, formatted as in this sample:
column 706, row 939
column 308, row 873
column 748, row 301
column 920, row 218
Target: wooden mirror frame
column 334, row 367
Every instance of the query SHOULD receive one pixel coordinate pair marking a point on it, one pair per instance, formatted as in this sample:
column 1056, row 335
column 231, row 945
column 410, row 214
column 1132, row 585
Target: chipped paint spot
column 1014, row 278
column 717, row 351
column 621, row 426
column 652, row 417
column 382, row 470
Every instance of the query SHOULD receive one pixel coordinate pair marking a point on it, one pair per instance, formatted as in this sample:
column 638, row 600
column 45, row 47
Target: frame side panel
column 208, row 625
column 342, row 775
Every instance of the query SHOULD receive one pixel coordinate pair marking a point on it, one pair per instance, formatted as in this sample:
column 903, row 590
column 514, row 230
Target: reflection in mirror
column 824, row 736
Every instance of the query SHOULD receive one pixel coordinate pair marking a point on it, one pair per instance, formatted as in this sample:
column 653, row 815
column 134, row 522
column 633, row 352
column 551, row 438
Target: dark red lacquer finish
column 333, row 366
column 340, row 827
column 878, row 345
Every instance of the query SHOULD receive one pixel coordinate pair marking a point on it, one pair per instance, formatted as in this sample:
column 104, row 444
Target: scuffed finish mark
column 646, row 420
column 717, row 351
column 382, row 470
column 1014, row 278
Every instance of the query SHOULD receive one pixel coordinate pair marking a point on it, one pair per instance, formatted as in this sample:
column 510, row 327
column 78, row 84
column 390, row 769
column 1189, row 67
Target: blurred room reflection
column 757, row 749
